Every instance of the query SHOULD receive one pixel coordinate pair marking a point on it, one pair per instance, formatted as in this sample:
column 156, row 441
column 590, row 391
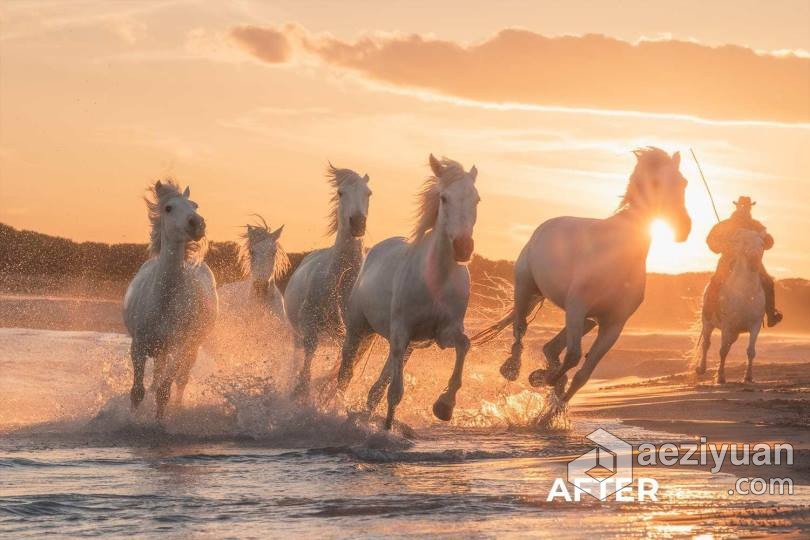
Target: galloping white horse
column 740, row 306
column 417, row 291
column 252, row 315
column 318, row 290
column 595, row 270
column 171, row 303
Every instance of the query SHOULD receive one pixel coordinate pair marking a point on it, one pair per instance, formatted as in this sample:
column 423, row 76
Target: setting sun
column 660, row 231
column 664, row 253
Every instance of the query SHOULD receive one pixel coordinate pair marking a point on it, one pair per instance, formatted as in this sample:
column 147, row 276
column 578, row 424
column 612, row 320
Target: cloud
column 590, row 71
column 267, row 44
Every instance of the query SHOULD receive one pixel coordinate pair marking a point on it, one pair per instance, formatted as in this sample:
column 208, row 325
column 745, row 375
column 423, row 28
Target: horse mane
column 156, row 196
column 427, row 200
column 255, row 234
column 336, row 178
column 647, row 157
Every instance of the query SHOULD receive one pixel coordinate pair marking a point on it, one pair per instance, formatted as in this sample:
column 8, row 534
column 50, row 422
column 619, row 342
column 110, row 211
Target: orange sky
column 247, row 101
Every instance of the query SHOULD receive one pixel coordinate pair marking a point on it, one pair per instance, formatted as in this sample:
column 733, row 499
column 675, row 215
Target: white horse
column 318, row 290
column 595, row 270
column 740, row 305
column 171, row 303
column 417, row 291
column 252, row 315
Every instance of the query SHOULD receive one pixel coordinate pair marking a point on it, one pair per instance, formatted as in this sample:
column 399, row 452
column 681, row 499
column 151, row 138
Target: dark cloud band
column 590, row 71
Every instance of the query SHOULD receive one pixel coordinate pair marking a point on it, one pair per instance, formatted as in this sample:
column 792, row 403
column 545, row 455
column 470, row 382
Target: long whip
column 705, row 183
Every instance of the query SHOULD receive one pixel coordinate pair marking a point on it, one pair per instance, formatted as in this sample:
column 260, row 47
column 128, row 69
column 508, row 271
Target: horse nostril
column 357, row 224
column 463, row 247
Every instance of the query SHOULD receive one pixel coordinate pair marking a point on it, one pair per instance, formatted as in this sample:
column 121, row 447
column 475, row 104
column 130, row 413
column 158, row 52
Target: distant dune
column 83, row 283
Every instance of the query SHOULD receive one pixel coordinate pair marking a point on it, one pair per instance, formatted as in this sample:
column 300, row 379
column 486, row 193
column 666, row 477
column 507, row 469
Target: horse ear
column 186, row 192
column 158, row 185
column 275, row 234
column 474, row 172
column 435, row 165
column 676, row 159
column 638, row 152
column 365, row 177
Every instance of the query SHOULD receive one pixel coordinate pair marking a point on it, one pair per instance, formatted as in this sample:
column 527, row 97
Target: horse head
column 350, row 201
column 173, row 216
column 457, row 204
column 657, row 188
column 262, row 255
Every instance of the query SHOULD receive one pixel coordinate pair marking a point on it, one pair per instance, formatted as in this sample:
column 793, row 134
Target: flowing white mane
column 156, row 197
column 428, row 198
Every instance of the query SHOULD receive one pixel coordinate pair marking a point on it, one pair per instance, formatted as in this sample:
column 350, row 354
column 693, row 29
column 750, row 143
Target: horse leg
column 183, row 371
column 399, row 345
column 526, row 297
column 753, row 332
column 727, row 339
column 138, row 355
column 164, row 384
column 310, row 343
column 573, row 332
column 608, row 334
column 443, row 407
column 356, row 343
column 378, row 388
column 552, row 350
column 705, row 343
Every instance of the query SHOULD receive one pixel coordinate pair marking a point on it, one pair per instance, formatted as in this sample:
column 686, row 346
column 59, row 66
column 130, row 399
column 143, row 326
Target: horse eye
column 168, row 208
column 340, row 194
column 443, row 199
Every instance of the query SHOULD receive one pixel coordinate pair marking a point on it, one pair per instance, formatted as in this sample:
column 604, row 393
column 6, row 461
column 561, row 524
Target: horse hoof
column 720, row 380
column 136, row 396
column 700, row 370
column 510, row 369
column 538, row 377
column 748, row 380
column 301, row 391
column 443, row 410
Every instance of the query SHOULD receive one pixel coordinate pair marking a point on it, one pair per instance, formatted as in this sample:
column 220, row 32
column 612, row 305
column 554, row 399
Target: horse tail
column 494, row 330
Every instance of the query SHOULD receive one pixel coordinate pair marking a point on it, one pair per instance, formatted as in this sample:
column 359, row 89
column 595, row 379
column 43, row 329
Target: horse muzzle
column 683, row 227
column 357, row 225
column 463, row 248
column 196, row 228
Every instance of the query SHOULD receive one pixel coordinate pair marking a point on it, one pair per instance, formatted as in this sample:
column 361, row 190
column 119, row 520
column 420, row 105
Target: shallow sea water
column 241, row 460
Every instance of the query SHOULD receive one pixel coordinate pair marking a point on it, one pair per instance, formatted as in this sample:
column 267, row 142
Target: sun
column 661, row 232
column 665, row 254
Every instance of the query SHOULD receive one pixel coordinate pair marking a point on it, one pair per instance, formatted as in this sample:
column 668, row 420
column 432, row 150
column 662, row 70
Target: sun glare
column 661, row 232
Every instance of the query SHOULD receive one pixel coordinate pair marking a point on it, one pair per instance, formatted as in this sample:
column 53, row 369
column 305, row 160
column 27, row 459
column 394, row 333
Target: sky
column 248, row 101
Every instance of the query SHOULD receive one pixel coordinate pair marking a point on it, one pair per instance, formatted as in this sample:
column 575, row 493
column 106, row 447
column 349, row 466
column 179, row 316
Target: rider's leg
column 713, row 290
column 774, row 315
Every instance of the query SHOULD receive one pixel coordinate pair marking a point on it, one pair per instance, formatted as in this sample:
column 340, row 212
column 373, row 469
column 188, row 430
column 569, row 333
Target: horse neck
column 439, row 253
column 171, row 259
column 347, row 254
column 638, row 234
column 743, row 275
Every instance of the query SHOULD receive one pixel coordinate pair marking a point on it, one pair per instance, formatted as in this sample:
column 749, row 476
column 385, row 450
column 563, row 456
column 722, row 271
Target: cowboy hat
column 744, row 201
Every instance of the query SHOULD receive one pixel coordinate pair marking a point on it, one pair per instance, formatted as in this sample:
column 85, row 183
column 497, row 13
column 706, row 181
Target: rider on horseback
column 719, row 241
